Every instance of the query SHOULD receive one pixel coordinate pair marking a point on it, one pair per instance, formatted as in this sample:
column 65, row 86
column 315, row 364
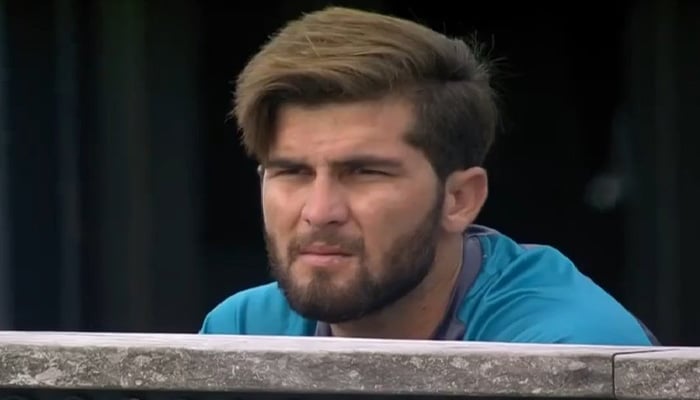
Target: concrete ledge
column 670, row 374
column 246, row 364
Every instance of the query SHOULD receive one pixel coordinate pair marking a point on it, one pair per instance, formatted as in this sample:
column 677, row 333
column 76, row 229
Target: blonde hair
column 339, row 54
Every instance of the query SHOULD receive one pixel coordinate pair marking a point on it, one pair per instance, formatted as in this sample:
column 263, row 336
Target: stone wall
column 157, row 366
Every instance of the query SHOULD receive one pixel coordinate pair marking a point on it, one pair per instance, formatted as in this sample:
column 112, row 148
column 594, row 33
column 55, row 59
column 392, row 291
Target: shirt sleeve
column 224, row 318
column 541, row 297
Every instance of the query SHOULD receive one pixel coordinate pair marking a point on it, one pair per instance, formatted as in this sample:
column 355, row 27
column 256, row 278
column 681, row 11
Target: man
column 370, row 132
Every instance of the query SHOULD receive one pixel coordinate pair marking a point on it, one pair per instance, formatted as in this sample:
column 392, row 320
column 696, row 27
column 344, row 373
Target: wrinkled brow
column 352, row 162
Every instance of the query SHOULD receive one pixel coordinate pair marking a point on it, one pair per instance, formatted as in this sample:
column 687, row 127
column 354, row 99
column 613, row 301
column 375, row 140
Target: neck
column 418, row 314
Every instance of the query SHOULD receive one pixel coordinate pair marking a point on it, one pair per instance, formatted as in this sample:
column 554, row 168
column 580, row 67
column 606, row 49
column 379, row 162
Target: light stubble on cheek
column 386, row 217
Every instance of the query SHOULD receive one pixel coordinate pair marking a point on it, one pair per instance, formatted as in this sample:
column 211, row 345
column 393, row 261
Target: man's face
column 351, row 211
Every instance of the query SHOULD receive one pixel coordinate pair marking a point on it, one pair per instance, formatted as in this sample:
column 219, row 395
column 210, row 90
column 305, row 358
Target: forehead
column 336, row 130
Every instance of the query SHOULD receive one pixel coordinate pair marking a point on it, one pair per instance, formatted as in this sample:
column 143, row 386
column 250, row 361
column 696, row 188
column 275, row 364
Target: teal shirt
column 508, row 292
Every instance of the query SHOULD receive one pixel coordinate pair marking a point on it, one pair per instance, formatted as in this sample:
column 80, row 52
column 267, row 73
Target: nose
column 325, row 203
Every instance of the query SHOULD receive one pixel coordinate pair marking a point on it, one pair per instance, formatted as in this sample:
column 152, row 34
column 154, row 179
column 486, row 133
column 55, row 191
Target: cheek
column 399, row 205
column 278, row 209
column 386, row 217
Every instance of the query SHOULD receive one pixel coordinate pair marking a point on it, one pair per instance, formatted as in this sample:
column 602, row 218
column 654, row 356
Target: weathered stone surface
column 662, row 374
column 240, row 364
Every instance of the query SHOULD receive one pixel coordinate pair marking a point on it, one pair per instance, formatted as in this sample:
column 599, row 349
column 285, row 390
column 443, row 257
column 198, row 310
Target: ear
column 465, row 194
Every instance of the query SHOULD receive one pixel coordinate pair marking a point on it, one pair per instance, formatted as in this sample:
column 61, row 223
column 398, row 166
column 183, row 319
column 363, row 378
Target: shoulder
column 534, row 293
column 262, row 310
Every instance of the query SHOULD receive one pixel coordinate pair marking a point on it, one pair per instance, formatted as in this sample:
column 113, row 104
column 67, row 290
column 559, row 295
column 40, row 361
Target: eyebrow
column 359, row 161
column 283, row 163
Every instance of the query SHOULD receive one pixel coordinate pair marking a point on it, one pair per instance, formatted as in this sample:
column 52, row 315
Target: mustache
column 327, row 237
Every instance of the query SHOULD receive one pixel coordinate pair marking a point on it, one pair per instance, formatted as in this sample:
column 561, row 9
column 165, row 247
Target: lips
column 323, row 256
column 323, row 250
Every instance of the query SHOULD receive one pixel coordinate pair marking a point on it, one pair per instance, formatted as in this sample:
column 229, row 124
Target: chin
column 311, row 277
column 307, row 276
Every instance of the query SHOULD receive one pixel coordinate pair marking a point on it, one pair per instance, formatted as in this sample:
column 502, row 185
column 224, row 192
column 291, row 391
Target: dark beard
column 404, row 266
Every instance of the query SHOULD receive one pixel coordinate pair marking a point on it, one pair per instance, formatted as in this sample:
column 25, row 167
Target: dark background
column 126, row 202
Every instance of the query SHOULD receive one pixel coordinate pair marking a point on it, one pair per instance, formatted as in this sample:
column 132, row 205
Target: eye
column 290, row 172
column 368, row 171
